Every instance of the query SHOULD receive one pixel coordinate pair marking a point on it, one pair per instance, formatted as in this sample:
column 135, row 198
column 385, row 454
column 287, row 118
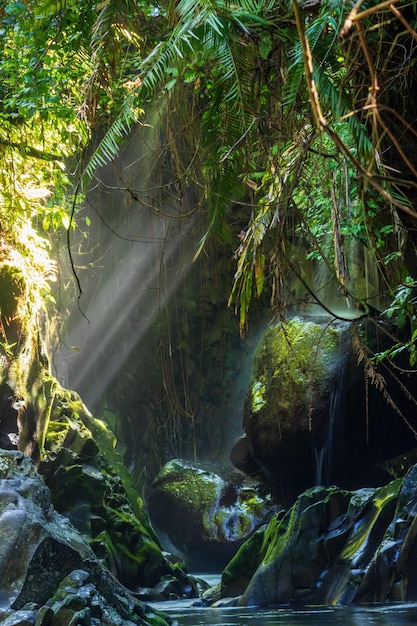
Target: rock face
column 91, row 486
column 48, row 572
column 204, row 516
column 332, row 547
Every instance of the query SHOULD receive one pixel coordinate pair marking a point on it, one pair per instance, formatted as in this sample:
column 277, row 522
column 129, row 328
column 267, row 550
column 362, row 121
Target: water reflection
column 187, row 615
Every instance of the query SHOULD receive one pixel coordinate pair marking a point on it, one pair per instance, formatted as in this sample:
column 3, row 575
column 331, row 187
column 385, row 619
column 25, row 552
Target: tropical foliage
column 293, row 120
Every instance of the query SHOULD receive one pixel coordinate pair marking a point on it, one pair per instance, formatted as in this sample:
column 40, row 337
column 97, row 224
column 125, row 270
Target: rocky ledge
column 333, row 546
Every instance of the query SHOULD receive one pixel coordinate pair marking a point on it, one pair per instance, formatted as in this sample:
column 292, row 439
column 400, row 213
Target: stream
column 184, row 614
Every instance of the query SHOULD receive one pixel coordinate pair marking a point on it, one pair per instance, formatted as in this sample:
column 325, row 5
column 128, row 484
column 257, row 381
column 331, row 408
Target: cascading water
column 326, row 454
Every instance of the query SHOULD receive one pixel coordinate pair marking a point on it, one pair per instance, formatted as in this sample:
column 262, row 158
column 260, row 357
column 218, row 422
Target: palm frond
column 48, row 8
column 193, row 18
column 109, row 145
column 103, row 26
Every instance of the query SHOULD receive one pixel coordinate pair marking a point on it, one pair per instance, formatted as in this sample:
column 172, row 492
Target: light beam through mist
column 139, row 250
column 135, row 288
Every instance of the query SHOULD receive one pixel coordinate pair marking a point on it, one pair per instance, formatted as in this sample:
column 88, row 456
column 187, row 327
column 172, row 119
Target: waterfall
column 327, row 453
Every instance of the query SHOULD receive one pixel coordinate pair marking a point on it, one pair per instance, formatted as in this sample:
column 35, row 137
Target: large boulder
column 332, row 547
column 49, row 574
column 204, row 515
column 293, row 389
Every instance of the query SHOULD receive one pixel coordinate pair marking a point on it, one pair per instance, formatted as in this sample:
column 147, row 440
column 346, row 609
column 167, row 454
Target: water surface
column 184, row 614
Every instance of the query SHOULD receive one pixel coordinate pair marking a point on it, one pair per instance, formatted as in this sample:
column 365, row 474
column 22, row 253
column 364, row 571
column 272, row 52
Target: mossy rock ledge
column 92, row 487
column 332, row 547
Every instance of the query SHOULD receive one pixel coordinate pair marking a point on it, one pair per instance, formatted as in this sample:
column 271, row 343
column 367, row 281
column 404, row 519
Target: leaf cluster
column 265, row 114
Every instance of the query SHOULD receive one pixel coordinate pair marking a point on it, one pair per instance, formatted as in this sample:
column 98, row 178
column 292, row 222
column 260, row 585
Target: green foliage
column 231, row 80
column 41, row 75
column 403, row 306
column 42, row 71
column 402, row 311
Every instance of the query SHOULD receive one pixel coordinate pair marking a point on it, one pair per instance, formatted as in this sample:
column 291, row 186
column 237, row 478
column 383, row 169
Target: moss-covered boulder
column 321, row 410
column 288, row 403
column 203, row 514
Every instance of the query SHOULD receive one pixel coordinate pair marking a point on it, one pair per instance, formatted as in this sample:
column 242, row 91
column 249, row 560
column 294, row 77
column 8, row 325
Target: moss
column 194, row 486
column 294, row 371
column 70, row 414
column 286, row 527
column 12, row 287
column 156, row 618
column 91, row 485
column 382, row 498
column 140, row 560
column 239, row 571
column 277, row 533
column 258, row 396
column 124, row 523
column 298, row 353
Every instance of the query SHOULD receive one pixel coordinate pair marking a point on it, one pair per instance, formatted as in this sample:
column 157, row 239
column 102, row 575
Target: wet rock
column 54, row 577
column 170, row 588
column 239, row 571
column 242, row 459
column 90, row 485
column 391, row 574
column 20, row 618
column 44, row 616
column 332, row 547
column 319, row 412
column 48, row 545
column 204, row 515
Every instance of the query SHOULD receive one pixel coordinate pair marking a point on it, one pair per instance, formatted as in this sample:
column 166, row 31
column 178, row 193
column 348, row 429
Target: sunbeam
column 137, row 250
column 130, row 295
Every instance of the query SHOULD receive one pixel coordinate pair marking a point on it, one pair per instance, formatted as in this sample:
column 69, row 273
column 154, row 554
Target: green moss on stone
column 239, row 571
column 193, row 486
column 258, row 396
column 374, row 502
column 293, row 372
column 70, row 414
